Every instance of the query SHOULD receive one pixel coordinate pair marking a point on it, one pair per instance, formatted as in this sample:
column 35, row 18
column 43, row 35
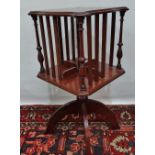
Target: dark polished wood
column 77, row 38
column 113, row 23
column 44, row 43
column 50, row 46
column 120, row 44
column 82, row 74
column 39, row 48
column 72, row 84
column 58, row 47
column 66, row 37
column 80, row 21
column 97, row 44
column 80, row 11
column 89, row 42
column 104, row 42
column 84, row 107
column 60, row 40
column 73, row 38
column 81, row 58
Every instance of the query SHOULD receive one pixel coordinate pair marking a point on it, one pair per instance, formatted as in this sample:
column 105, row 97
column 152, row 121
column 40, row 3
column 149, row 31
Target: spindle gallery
column 61, row 36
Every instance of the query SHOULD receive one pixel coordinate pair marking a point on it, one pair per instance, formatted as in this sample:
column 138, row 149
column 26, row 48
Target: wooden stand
column 70, row 66
column 84, row 107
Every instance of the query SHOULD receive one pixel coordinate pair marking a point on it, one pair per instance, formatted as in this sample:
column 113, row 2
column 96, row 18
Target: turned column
column 81, row 58
column 120, row 44
column 82, row 75
column 39, row 48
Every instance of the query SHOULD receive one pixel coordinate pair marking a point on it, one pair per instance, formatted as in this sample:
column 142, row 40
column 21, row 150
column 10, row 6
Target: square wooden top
column 78, row 11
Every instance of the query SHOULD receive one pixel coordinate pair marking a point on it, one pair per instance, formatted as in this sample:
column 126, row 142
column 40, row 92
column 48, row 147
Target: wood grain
column 72, row 84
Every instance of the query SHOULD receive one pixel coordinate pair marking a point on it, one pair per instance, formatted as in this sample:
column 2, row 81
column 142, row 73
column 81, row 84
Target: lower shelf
column 72, row 83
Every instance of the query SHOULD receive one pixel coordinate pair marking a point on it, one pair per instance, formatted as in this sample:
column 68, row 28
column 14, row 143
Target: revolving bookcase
column 73, row 55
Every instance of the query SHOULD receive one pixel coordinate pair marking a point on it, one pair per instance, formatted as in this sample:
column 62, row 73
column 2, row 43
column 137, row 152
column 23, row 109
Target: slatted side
column 50, row 45
column 57, row 44
column 39, row 47
column 44, row 43
column 74, row 41
column 52, row 38
column 100, row 56
column 52, row 56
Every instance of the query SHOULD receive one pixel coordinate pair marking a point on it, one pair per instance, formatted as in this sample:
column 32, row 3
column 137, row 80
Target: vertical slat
column 77, row 37
column 44, row 43
column 89, row 42
column 97, row 44
column 120, row 44
column 80, row 36
column 60, row 40
column 73, row 39
column 50, row 46
column 57, row 43
column 104, row 40
column 89, row 38
column 97, row 37
column 113, row 23
column 66, row 37
column 39, row 48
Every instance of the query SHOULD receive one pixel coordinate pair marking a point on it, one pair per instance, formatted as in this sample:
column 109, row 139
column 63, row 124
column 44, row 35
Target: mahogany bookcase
column 61, row 37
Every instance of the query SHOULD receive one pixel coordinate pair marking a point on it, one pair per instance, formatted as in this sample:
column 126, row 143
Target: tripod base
column 84, row 107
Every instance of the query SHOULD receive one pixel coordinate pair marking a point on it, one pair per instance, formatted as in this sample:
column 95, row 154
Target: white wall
column 35, row 91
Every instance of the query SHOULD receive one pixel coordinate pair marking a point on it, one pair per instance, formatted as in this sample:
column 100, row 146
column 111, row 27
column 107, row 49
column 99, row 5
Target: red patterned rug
column 69, row 137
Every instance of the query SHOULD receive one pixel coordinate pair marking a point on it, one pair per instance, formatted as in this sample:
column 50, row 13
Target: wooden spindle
column 104, row 40
column 120, row 44
column 81, row 59
column 44, row 43
column 73, row 39
column 50, row 46
column 39, row 48
column 97, row 37
column 80, row 35
column 77, row 38
column 89, row 38
column 113, row 23
column 60, row 40
column 89, row 42
column 66, row 37
column 97, row 45
column 57, row 43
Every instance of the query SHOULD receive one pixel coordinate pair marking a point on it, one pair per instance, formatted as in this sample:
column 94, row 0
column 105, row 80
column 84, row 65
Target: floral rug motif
column 69, row 136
